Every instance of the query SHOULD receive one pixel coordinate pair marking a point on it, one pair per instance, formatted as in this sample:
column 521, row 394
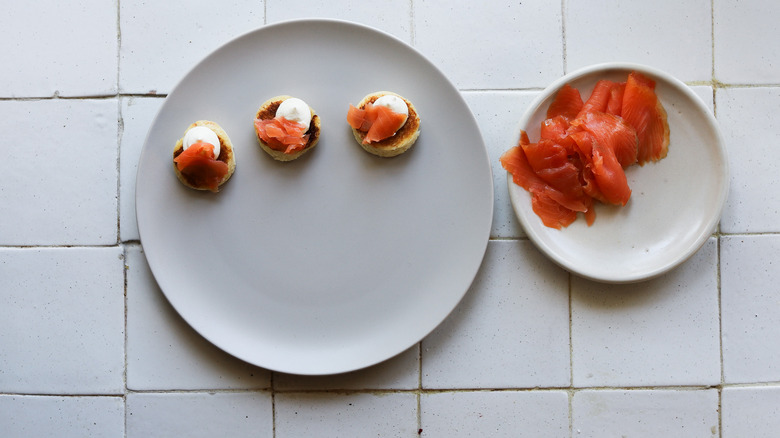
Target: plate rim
column 419, row 57
column 515, row 191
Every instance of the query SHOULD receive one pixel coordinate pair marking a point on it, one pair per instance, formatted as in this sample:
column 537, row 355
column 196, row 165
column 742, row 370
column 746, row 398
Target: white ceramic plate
column 340, row 259
column 675, row 203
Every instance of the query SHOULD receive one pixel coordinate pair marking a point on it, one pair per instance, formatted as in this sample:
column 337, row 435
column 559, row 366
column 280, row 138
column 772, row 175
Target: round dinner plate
column 675, row 203
column 340, row 259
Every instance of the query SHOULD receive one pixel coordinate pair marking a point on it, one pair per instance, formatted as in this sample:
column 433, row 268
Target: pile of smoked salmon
column 584, row 147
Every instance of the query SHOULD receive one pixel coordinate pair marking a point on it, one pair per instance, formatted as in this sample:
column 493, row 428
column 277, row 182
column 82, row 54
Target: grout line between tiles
column 564, row 62
column 412, row 33
column 125, row 268
column 273, row 404
column 571, row 358
column 419, row 387
column 713, row 83
column 380, row 392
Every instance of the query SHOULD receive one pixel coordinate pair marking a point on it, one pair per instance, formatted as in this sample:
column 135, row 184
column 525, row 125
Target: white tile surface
column 751, row 412
column 515, row 414
column 497, row 44
column 231, row 414
column 498, row 114
column 59, row 181
column 61, row 417
column 752, row 131
column 137, row 114
column 661, row 332
column 645, row 413
column 510, row 331
column 348, row 415
column 163, row 352
column 399, row 372
column 740, row 30
column 45, row 54
column 392, row 16
column 750, row 308
column 162, row 41
column 61, row 321
column 669, row 35
column 529, row 343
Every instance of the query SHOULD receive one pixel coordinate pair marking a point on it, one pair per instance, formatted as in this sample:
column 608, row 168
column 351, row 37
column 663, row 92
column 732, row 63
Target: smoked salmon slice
column 567, row 103
column 642, row 110
column 612, row 132
column 585, row 147
column 615, row 101
column 201, row 167
column 377, row 121
column 544, row 199
column 281, row 134
column 599, row 97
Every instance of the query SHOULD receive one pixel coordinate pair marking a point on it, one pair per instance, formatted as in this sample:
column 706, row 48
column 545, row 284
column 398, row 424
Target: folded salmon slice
column 544, row 198
column 599, row 97
column 567, row 103
column 610, row 131
column 615, row 101
column 201, row 167
column 281, row 134
column 643, row 110
column 551, row 163
column 377, row 121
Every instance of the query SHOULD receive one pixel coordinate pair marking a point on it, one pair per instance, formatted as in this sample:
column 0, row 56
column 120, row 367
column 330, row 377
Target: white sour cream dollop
column 201, row 134
column 295, row 110
column 395, row 104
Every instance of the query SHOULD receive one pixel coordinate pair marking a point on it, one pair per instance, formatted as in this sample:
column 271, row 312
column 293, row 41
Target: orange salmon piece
column 599, row 97
column 613, row 132
column 643, row 110
column 378, row 122
column 567, row 103
column 199, row 164
column 281, row 134
column 544, row 198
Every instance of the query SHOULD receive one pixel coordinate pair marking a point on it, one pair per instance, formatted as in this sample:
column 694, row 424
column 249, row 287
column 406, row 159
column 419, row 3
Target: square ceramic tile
column 62, row 417
column 752, row 132
column 326, row 414
column 164, row 352
column 645, row 413
column 510, row 331
column 750, row 308
column 669, row 35
column 62, row 321
column 230, row 414
column 60, row 178
column 137, row 114
column 660, row 332
column 162, row 41
column 751, row 412
column 58, row 48
column 392, row 16
column 741, row 31
column 399, row 372
column 498, row 44
column 515, row 414
column 498, row 115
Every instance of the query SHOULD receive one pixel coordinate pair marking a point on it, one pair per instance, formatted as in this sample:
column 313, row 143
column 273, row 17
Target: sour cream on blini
column 395, row 104
column 295, row 110
column 201, row 134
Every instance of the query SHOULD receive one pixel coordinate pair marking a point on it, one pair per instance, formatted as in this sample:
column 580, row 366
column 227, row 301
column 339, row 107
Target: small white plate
column 340, row 259
column 675, row 203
